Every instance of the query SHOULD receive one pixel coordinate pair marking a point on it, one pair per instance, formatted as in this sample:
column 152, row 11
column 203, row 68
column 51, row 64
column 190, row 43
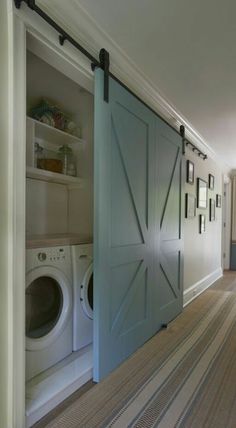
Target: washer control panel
column 59, row 257
column 52, row 255
column 49, row 256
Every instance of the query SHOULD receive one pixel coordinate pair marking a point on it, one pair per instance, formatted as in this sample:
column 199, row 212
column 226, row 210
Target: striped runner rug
column 184, row 376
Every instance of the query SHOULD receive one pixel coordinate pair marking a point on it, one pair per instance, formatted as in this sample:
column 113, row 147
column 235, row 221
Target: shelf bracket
column 18, row 3
column 30, row 3
column 62, row 39
column 104, row 58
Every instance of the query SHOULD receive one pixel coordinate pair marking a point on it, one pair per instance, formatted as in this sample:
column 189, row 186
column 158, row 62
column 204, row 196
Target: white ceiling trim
column 75, row 19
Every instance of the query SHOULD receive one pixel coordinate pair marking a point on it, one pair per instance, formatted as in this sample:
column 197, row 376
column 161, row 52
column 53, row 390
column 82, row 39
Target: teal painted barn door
column 170, row 218
column 137, row 225
column 124, row 236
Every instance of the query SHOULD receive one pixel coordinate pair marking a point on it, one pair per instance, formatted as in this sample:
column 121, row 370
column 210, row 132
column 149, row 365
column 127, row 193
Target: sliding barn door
column 170, row 218
column 124, row 235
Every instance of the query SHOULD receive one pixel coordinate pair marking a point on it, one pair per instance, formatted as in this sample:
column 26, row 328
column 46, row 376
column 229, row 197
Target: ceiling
column 187, row 48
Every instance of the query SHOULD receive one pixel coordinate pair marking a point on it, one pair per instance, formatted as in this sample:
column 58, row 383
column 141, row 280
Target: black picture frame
column 189, row 172
column 212, row 212
column 218, row 201
column 190, row 205
column 202, row 223
column 202, row 193
column 211, row 181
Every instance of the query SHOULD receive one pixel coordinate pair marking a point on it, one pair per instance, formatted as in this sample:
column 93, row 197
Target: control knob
column 42, row 257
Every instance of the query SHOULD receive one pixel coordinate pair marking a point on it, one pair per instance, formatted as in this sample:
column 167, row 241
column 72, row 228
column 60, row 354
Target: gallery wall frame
column 202, row 193
column 212, row 211
column 189, row 172
column 190, row 205
column 218, row 201
column 202, row 223
column 211, row 181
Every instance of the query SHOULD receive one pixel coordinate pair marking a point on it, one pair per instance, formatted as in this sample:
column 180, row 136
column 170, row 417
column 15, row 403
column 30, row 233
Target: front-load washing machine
column 82, row 263
column 48, row 297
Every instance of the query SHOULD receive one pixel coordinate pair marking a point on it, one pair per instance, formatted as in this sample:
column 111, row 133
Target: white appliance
column 82, row 263
column 49, row 321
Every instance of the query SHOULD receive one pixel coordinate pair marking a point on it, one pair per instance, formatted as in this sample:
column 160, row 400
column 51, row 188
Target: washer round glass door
column 86, row 296
column 48, row 304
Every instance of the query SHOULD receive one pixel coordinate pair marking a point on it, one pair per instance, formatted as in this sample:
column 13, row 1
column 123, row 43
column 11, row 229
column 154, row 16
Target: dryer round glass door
column 86, row 295
column 48, row 299
column 44, row 302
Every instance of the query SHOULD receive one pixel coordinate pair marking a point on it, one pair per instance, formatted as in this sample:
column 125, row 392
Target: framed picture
column 190, row 205
column 218, row 201
column 190, row 172
column 201, row 193
column 212, row 214
column 202, row 223
column 211, row 181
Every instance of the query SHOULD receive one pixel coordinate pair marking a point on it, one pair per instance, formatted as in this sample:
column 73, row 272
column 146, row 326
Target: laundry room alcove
column 59, row 231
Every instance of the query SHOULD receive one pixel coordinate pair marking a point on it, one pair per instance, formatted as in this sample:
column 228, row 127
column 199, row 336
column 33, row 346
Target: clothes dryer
column 82, row 263
column 48, row 296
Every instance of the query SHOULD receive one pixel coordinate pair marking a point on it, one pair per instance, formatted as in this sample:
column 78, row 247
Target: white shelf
column 53, row 177
column 54, row 135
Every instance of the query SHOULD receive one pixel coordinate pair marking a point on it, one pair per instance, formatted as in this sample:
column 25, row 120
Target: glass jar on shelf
column 68, row 159
column 38, row 155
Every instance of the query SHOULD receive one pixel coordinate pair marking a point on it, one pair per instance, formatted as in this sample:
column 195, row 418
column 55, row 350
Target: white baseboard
column 192, row 292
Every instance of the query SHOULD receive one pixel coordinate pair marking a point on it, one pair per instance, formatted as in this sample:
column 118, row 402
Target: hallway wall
column 202, row 252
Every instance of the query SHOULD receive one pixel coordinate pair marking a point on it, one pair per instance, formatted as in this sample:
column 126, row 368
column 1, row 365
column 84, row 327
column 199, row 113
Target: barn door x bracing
column 170, row 218
column 127, row 226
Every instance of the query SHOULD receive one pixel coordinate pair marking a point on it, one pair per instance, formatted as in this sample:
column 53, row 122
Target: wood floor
column 226, row 283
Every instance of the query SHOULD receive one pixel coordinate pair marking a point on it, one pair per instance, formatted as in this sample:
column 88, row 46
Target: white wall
column 44, row 201
column 46, row 208
column 202, row 252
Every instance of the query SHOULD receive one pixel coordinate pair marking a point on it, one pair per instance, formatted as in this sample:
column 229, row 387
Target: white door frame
column 226, row 222
column 23, row 21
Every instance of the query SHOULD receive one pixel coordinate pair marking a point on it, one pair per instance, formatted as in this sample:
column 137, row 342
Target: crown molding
column 76, row 20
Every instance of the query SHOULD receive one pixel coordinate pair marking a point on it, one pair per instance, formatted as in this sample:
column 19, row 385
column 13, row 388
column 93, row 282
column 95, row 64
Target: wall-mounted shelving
column 53, row 177
column 53, row 135
column 50, row 138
